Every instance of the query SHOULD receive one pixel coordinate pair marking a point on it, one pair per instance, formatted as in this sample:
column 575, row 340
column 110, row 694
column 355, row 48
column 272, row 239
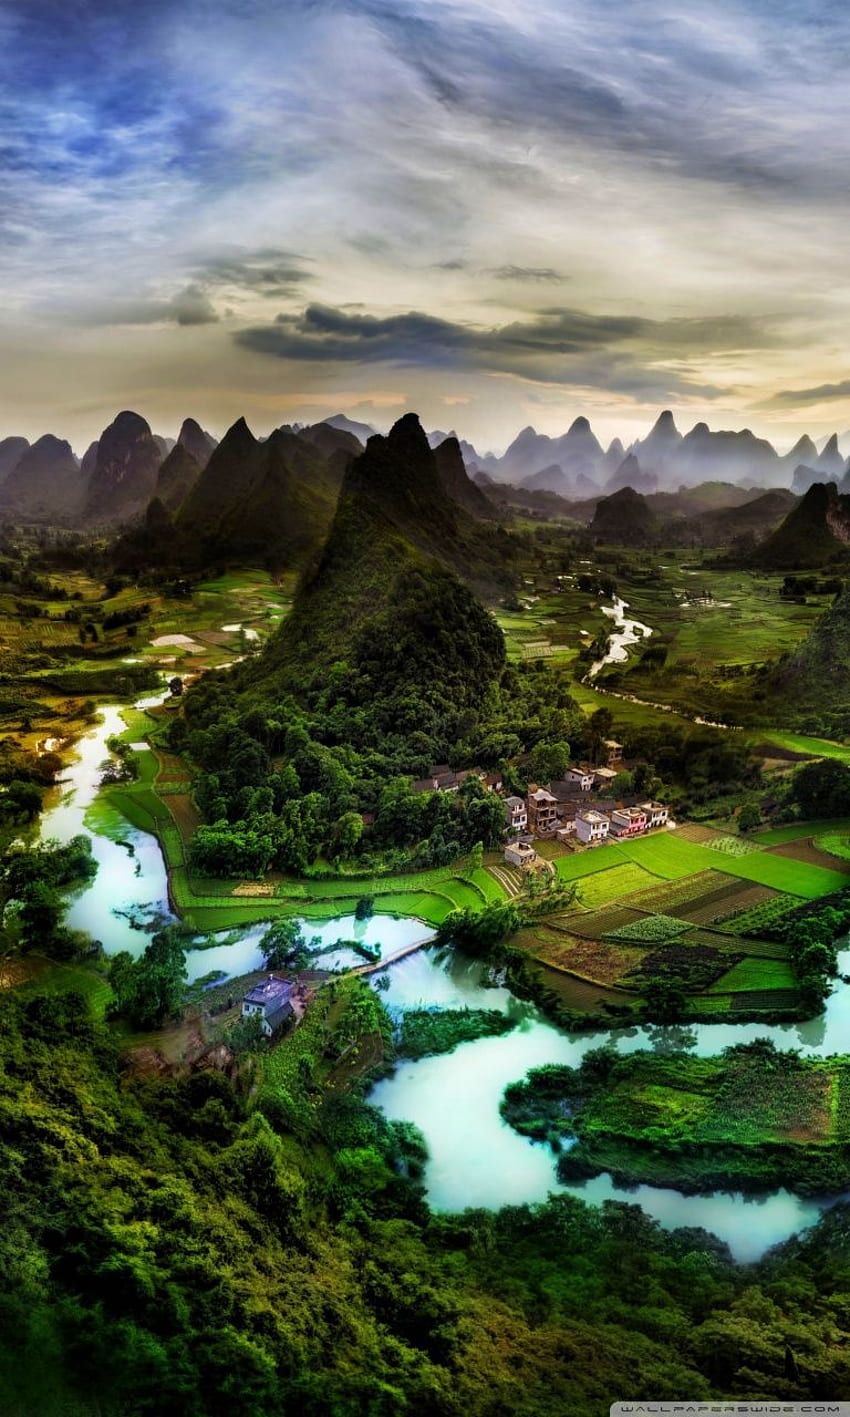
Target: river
column 475, row 1158
column 626, row 632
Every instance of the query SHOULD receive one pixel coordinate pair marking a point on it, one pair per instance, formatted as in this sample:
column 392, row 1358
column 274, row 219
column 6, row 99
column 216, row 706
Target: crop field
column 834, row 844
column 669, row 857
column 738, row 944
column 708, row 1101
column 667, row 897
column 724, row 903
column 732, row 845
column 756, row 974
column 597, row 923
column 794, row 831
column 67, row 979
column 593, row 960
column 807, row 850
column 649, row 930
column 760, row 917
column 615, row 884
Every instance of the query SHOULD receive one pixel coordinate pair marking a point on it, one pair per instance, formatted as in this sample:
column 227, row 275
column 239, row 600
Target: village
column 573, row 811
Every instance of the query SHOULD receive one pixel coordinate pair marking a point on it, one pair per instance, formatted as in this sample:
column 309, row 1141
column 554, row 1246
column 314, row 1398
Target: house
column 271, row 1002
column 613, row 752
column 591, row 826
column 580, row 777
column 603, row 777
column 519, row 853
column 542, row 810
column 516, row 814
column 493, row 781
column 566, row 829
column 656, row 814
column 442, row 779
column 628, row 821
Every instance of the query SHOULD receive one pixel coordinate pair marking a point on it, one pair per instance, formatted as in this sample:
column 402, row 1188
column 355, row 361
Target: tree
column 346, row 833
column 150, row 989
column 822, row 789
column 749, row 817
column 284, row 945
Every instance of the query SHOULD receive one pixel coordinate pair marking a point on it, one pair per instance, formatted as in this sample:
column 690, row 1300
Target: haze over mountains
column 276, row 496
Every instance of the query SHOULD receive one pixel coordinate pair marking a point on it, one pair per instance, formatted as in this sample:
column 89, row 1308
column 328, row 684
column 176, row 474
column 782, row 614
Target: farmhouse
column 542, row 810
column 580, row 777
column 628, row 821
column 613, row 752
column 603, row 777
column 591, row 826
column 271, row 1002
column 519, row 853
column 516, row 814
column 656, row 814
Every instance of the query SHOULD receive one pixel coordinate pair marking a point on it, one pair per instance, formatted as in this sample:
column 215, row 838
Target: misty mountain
column 125, row 472
column 11, row 451
column 45, row 485
column 631, row 474
column 830, row 463
column 361, row 431
column 657, row 452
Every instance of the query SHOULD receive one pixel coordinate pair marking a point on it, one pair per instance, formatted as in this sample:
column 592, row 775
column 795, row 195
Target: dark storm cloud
column 556, row 346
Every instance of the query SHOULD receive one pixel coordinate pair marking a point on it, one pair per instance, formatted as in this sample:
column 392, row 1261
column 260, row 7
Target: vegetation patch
column 751, row 1119
column 426, row 1031
column 649, row 929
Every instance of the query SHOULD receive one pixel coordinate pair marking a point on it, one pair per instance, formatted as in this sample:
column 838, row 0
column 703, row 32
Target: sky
column 494, row 212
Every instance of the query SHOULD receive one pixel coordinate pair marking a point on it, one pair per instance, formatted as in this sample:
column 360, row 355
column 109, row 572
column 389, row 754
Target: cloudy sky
column 497, row 212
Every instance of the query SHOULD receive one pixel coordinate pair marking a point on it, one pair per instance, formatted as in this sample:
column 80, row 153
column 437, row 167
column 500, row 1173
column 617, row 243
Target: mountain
column 331, row 440
column 176, row 477
column 631, row 474
column 361, row 431
column 614, row 454
column 806, row 477
column 550, row 479
column 384, row 595
column 199, row 444
column 287, row 508
column 753, row 521
column 125, row 472
column 657, row 451
column 624, row 519
column 11, row 452
column 575, row 452
column 732, row 457
column 817, row 672
column 830, row 462
column 225, row 479
column 457, row 483
column 46, row 484
column 803, row 454
column 812, row 533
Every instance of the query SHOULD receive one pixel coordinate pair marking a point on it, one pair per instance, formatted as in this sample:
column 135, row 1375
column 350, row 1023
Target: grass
column 753, row 973
column 797, row 831
column 666, row 856
column 612, row 884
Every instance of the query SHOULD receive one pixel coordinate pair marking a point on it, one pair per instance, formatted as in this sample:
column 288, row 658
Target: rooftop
column 271, row 990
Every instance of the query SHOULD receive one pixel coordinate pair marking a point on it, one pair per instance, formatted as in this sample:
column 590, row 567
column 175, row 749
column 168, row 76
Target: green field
column 666, row 855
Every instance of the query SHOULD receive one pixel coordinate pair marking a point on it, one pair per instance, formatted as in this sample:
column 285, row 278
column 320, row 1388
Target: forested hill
column 385, row 597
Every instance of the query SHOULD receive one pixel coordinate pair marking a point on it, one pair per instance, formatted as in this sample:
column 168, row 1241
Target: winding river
column 475, row 1159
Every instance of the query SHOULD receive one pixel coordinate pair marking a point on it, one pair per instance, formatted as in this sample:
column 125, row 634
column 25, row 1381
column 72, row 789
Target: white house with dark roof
column 516, row 814
column 580, row 776
column 271, row 1002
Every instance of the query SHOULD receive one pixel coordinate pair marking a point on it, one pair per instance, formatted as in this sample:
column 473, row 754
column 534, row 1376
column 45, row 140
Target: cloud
column 791, row 398
column 269, row 272
column 563, row 346
column 541, row 273
column 193, row 307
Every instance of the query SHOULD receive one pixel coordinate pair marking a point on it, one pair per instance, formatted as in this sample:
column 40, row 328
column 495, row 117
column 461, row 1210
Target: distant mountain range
column 191, row 501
